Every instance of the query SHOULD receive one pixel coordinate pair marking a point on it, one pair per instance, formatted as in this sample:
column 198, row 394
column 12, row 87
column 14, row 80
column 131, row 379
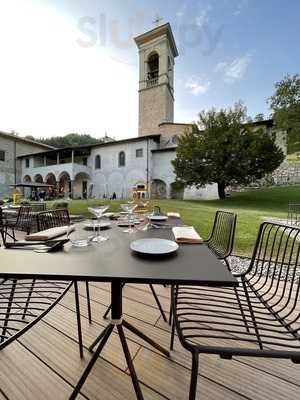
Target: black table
column 112, row 261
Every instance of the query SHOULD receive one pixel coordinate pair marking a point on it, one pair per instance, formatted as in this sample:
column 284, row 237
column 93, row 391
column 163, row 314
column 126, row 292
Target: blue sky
column 72, row 66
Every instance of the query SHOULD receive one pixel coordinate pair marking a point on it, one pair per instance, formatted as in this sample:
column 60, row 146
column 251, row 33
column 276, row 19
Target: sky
column 72, row 65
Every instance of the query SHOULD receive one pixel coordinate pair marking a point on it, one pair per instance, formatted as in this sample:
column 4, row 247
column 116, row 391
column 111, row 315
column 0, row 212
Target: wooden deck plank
column 49, row 366
column 23, row 376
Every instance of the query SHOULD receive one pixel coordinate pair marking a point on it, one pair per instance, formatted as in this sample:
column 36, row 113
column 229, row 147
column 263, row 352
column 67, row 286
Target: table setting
column 150, row 252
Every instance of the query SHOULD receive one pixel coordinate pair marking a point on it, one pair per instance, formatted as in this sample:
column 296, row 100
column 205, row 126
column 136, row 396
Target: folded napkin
column 186, row 234
column 173, row 215
column 50, row 233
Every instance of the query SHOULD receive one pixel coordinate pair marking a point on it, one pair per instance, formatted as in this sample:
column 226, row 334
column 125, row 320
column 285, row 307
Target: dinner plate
column 154, row 246
column 96, row 225
column 158, row 217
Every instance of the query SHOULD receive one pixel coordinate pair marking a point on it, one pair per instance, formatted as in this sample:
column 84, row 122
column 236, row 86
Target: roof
column 164, row 149
column 176, row 123
column 90, row 146
column 31, row 184
column 157, row 32
column 267, row 122
column 22, row 139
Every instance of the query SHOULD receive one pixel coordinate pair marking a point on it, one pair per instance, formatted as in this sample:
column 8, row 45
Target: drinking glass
column 98, row 212
column 129, row 208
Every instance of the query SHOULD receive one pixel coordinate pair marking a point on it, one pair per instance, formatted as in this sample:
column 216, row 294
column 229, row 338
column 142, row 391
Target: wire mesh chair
column 266, row 323
column 55, row 218
column 23, row 302
column 220, row 242
column 23, row 222
column 221, row 239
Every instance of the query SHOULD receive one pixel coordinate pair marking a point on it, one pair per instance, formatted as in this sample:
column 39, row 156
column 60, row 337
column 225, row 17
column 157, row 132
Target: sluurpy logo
column 103, row 31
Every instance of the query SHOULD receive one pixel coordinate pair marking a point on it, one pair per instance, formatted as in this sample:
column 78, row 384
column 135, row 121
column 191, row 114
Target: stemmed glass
column 129, row 208
column 98, row 211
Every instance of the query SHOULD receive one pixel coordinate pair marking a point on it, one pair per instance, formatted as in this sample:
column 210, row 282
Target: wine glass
column 98, row 211
column 129, row 208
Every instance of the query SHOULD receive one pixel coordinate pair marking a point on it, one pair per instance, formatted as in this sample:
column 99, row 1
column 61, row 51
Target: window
column 97, row 162
column 122, row 159
column 139, row 153
column 84, row 161
column 2, row 155
column 27, row 162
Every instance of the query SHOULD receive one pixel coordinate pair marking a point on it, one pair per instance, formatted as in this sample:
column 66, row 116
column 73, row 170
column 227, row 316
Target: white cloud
column 197, row 86
column 235, row 70
column 180, row 14
column 201, row 19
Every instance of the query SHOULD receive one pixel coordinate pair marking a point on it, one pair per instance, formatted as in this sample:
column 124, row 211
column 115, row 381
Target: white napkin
column 186, row 234
column 50, row 233
column 173, row 215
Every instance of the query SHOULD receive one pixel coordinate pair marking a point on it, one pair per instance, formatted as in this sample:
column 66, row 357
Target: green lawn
column 250, row 207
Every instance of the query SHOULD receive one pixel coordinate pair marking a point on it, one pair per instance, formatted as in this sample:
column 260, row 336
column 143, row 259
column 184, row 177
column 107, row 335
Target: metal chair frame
column 220, row 242
column 23, row 222
column 52, row 219
column 263, row 321
column 23, row 302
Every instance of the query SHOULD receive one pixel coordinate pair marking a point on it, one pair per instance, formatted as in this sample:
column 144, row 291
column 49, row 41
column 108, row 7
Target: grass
column 251, row 207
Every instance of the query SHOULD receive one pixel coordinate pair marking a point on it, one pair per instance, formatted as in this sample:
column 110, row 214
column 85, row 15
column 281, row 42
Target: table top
column 111, row 260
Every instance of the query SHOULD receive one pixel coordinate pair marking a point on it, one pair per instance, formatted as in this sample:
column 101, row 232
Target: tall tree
column 225, row 151
column 285, row 104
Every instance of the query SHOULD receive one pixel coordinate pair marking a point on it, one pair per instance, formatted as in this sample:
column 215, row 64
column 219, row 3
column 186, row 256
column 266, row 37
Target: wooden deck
column 45, row 364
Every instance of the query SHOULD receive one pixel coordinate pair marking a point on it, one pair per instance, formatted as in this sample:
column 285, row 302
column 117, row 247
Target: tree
column 226, row 151
column 71, row 139
column 285, row 104
column 259, row 117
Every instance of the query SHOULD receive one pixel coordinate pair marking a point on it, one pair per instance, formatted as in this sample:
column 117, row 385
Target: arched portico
column 81, row 186
column 38, row 178
column 158, row 189
column 64, row 185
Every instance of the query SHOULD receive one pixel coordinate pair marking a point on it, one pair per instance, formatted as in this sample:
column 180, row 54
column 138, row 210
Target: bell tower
column 157, row 52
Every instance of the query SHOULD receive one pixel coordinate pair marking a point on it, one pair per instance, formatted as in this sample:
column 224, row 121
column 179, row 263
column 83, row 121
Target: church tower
column 157, row 51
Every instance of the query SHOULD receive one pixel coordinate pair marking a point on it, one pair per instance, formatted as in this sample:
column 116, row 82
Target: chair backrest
column 24, row 219
column 274, row 270
column 53, row 218
column 36, row 207
column 222, row 236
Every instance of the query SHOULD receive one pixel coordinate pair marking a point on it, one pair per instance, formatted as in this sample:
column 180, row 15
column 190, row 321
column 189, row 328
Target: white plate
column 154, row 246
column 158, row 217
column 91, row 225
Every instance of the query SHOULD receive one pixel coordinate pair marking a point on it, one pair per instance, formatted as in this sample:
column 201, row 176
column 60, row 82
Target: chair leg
column 171, row 308
column 172, row 335
column 88, row 299
column 194, row 376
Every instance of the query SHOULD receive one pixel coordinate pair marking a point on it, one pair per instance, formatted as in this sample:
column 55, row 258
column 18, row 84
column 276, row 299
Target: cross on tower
column 157, row 20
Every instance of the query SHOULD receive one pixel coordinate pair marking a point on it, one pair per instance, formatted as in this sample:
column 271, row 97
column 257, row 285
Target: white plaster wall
column 163, row 169
column 121, row 180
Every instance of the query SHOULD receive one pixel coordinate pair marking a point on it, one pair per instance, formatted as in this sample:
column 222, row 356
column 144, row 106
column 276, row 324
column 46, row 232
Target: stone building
column 145, row 161
column 11, row 147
